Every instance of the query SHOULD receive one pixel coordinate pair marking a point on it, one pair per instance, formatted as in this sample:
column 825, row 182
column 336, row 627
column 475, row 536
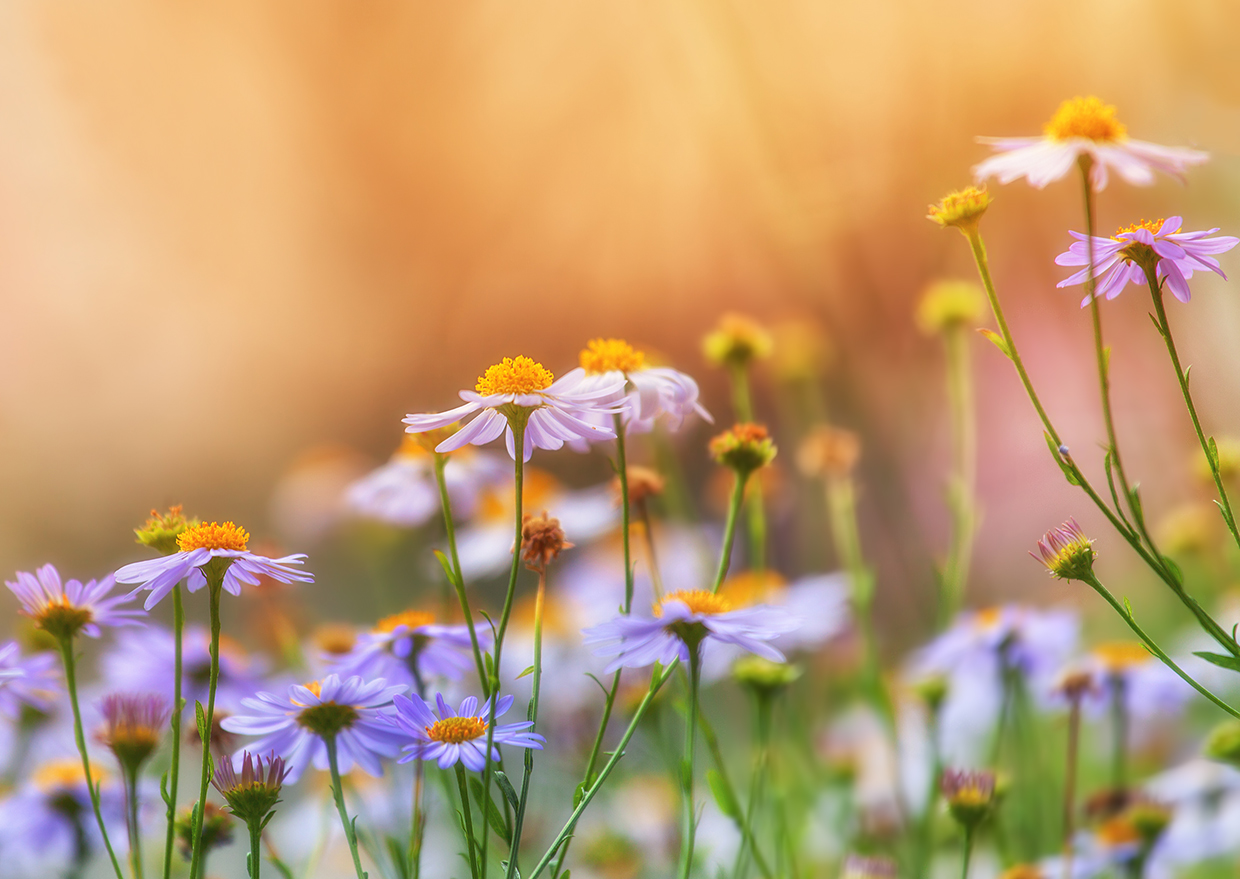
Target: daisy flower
column 521, row 391
column 32, row 681
column 65, row 609
column 352, row 711
column 410, row 645
column 1125, row 669
column 684, row 617
column 448, row 736
column 1122, row 258
column 199, row 547
column 1083, row 127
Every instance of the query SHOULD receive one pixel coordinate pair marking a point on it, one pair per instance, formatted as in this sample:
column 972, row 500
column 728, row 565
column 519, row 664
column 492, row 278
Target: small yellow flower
column 737, row 340
column 962, row 208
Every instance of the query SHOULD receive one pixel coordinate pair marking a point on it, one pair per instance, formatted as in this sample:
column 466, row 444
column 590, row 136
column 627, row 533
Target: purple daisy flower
column 556, row 415
column 448, row 736
column 636, row 642
column 406, row 642
column 27, row 680
column 1179, row 254
column 200, row 545
column 65, row 609
column 353, row 711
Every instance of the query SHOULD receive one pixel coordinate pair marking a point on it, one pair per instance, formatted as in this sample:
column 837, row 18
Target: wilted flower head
column 1066, row 552
column 736, row 340
column 828, row 451
column 969, row 794
column 64, row 610
column 948, row 305
column 868, row 867
column 542, row 540
column 961, row 209
column 254, row 793
column 743, row 447
column 643, row 482
column 132, row 726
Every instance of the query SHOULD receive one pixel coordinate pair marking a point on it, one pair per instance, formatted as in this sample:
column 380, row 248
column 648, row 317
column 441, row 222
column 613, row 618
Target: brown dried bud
column 829, row 451
column 643, row 482
column 542, row 539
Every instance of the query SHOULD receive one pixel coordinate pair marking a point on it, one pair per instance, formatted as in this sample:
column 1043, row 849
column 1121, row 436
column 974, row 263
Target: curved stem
column 458, row 580
column 66, row 655
column 178, row 706
column 688, row 828
column 338, row 795
column 215, row 580
column 729, row 528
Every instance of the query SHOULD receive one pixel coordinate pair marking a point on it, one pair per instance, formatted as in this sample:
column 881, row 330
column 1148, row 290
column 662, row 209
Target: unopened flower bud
column 828, row 451
column 217, row 830
column 737, row 340
column 969, row 794
column 1066, row 552
column 1149, row 819
column 1223, row 743
column 962, row 208
column 764, row 677
column 948, row 305
column 253, row 794
column 132, row 726
column 542, row 540
column 744, row 447
column 932, row 690
column 161, row 531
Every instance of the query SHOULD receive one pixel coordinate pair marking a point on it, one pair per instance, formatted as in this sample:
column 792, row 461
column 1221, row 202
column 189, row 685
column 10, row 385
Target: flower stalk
column 688, row 827
column 215, row 586
column 178, row 705
column 350, row 833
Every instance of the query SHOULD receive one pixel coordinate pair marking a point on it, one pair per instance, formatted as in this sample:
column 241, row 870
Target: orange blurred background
column 235, row 233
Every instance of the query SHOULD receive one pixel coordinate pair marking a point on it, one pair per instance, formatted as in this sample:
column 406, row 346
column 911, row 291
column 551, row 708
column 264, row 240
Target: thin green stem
column 746, row 831
column 468, row 818
column 215, row 581
column 338, row 795
column 688, row 826
column 66, row 654
column 532, row 716
column 130, row 776
column 178, row 706
column 652, row 558
column 458, row 581
column 742, row 401
column 963, row 488
column 1119, row 734
column 1069, row 787
column 417, row 829
column 761, row 760
column 968, row 851
column 256, row 852
column 729, row 528
column 622, row 473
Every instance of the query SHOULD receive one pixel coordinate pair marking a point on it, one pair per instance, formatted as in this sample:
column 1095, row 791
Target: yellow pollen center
column 988, row 618
column 608, row 355
column 1085, row 117
column 410, row 618
column 1118, row 656
column 213, row 535
column 751, row 587
column 315, row 687
column 1117, row 832
column 456, row 730
column 697, row 600
column 1151, row 225
column 514, row 376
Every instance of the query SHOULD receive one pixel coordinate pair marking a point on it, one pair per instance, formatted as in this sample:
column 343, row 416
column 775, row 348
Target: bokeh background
column 241, row 240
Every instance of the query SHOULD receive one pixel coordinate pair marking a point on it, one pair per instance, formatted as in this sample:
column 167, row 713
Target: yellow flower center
column 608, row 355
column 1085, row 117
column 456, row 730
column 514, row 376
column 1152, row 225
column 213, row 535
column 411, row 618
column 61, row 618
column 751, row 587
column 60, row 774
column 1118, row 656
column 987, row 618
column 1117, row 832
column 315, row 687
column 697, row 600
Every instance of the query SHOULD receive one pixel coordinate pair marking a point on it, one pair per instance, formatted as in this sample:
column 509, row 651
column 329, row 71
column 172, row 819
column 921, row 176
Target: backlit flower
column 66, row 609
column 1066, row 552
column 1083, row 127
column 689, row 617
column 1122, row 259
column 132, row 726
column 652, row 392
column 448, row 736
column 351, row 711
column 217, row 547
column 521, row 390
column 411, row 641
column 32, row 681
column 253, row 793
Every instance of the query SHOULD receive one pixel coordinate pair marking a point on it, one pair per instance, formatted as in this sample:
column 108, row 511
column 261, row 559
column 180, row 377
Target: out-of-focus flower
column 969, row 794
column 522, row 390
column 1159, row 244
column 1228, row 448
column 764, row 677
column 949, row 305
column 217, row 830
column 1126, row 670
column 736, row 340
column 1205, row 802
column 802, row 350
column 161, row 530
column 1223, row 743
column 818, row 602
column 32, row 681
column 1066, row 552
column 255, row 792
column 868, row 867
column 404, row 643
column 64, row 610
column 403, row 491
column 743, row 447
column 643, row 482
column 1187, row 529
column 684, row 618
column 1083, row 127
column 828, row 451
column 961, row 209
column 133, row 725
column 352, row 711
column 218, row 547
column 652, row 392
column 448, row 736
column 308, row 501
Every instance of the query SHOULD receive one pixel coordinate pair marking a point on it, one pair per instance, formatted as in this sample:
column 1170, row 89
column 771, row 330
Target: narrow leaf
column 529, row 670
column 447, row 567
column 723, row 795
column 1219, row 659
column 493, row 816
column 501, row 778
column 997, row 341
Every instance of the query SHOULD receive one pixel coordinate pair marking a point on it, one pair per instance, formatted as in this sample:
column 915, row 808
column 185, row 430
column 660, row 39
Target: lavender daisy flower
column 199, row 547
column 552, row 411
column 352, row 711
column 1121, row 259
column 448, row 736
column 408, row 646
column 689, row 616
column 1148, row 688
column 1083, row 127
column 32, row 681
column 65, row 609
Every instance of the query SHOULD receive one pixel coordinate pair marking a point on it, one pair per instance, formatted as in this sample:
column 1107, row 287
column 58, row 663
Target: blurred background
column 238, row 242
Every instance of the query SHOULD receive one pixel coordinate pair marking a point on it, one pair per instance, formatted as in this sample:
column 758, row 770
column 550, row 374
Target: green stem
column 688, row 827
column 532, row 716
column 130, row 777
column 215, row 581
column 652, row 558
column 963, row 489
column 622, row 472
column 1119, row 734
column 417, row 830
column 256, row 853
column 467, row 816
column 458, row 581
column 746, row 831
column 968, row 851
column 657, row 680
column 742, row 401
column 66, row 654
column 762, row 756
column 338, row 796
column 1069, row 787
column 755, row 517
column 178, row 706
column 729, row 528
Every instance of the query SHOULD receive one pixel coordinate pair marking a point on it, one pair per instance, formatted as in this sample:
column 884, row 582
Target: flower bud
column 161, row 531
column 969, row 794
column 217, row 830
column 1066, row 552
column 744, row 447
column 737, row 340
column 1223, row 743
column 948, row 305
column 644, row 482
column 764, row 677
column 868, row 867
column 133, row 725
column 932, row 690
column 962, row 208
column 254, row 794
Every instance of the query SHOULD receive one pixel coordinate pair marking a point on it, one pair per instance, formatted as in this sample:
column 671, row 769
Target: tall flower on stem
column 744, row 449
column 970, row 796
column 132, row 727
column 252, row 796
column 65, row 610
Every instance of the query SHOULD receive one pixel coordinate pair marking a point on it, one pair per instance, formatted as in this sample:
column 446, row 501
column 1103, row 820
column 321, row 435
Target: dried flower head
column 828, row 451
column 1066, row 552
column 253, row 794
column 962, row 208
column 737, row 340
column 542, row 540
column 644, row 482
column 161, row 530
column 969, row 794
column 744, row 447
column 132, row 726
column 949, row 305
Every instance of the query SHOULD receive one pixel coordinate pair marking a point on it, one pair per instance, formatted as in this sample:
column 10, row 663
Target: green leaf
column 447, row 567
column 200, row 718
column 163, row 790
column 529, row 670
column 1106, row 360
column 1221, row 660
column 1067, row 468
column 494, row 818
column 723, row 795
column 1176, row 573
column 997, row 341
column 501, row 778
column 1212, row 452
column 1157, row 325
column 281, row 866
column 578, row 794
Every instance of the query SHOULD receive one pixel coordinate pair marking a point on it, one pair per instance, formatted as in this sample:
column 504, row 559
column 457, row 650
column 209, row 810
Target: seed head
column 542, row 540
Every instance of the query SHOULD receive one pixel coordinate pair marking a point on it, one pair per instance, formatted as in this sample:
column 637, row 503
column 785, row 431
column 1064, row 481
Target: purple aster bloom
column 27, row 680
column 65, row 609
column 636, row 642
column 1179, row 254
column 354, row 711
column 1149, row 689
column 406, row 642
column 446, row 736
column 199, row 546
column 555, row 408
